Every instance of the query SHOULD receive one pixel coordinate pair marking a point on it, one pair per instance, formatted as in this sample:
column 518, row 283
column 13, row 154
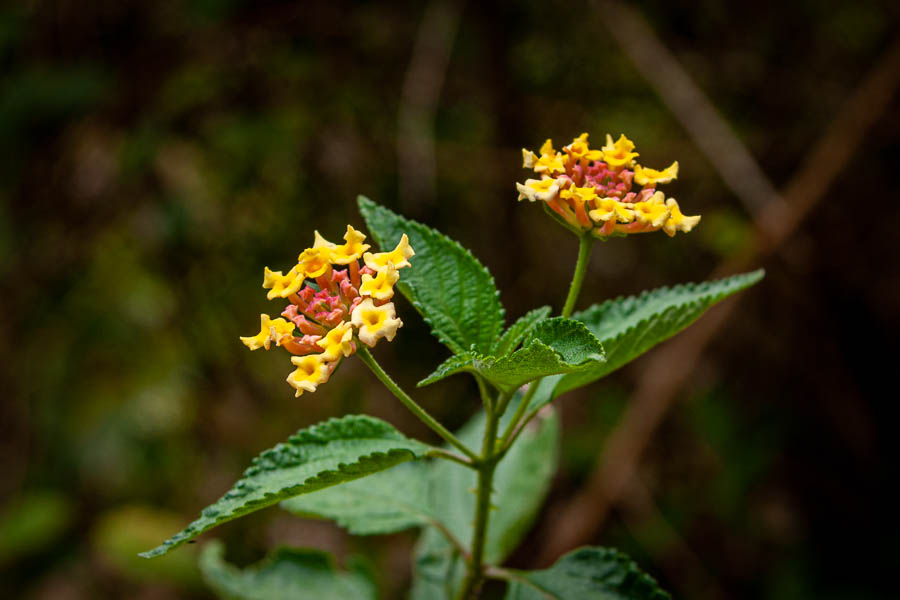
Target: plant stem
column 411, row 404
column 452, row 456
column 485, row 395
column 507, row 442
column 492, row 452
column 520, row 410
column 486, row 466
column 585, row 243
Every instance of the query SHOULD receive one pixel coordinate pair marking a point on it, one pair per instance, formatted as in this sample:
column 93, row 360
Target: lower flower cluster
column 332, row 308
column 593, row 189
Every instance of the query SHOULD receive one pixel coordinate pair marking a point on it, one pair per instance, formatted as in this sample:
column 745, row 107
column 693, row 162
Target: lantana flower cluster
column 595, row 189
column 334, row 304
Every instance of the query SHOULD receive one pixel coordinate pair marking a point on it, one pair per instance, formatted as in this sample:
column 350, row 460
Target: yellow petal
column 313, row 262
column 281, row 286
column 380, row 287
column 352, row 249
column 645, row 176
column 337, row 342
column 311, row 371
column 678, row 221
column 618, row 154
column 398, row 256
column 321, row 242
column 269, row 330
column 375, row 322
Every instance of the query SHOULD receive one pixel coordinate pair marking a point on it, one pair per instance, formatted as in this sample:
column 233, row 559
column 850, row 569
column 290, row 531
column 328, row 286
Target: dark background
column 156, row 155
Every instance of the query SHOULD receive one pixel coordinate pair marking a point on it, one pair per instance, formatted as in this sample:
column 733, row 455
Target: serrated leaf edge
column 365, row 203
column 481, row 361
column 609, row 554
column 541, row 313
column 320, row 480
column 752, row 277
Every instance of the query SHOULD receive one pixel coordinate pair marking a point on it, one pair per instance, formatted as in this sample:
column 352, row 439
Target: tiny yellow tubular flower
column 398, row 256
column 619, row 154
column 550, row 161
column 311, row 371
column 337, row 342
column 528, row 159
column 380, row 287
column 375, row 322
column 579, row 194
column 653, row 212
column 610, row 208
column 677, row 221
column 281, row 286
column 551, row 164
column 580, row 149
column 579, row 146
column 352, row 249
column 313, row 262
column 538, row 189
column 269, row 330
column 645, row 176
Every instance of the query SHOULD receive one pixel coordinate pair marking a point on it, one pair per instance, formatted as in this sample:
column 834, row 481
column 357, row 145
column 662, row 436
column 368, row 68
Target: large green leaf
column 320, row 456
column 385, row 502
column 521, row 482
column 519, row 330
column 287, row 574
column 557, row 345
column 630, row 326
column 454, row 292
column 587, row 574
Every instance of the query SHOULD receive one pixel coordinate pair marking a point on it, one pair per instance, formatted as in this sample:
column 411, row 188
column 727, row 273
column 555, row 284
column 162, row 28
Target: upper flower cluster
column 592, row 190
column 334, row 310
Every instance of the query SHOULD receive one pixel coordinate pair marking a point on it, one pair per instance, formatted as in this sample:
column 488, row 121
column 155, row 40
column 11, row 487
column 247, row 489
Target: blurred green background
column 157, row 154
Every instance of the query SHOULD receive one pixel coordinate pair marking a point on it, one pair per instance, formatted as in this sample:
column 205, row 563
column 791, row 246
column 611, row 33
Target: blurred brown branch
column 581, row 518
column 713, row 136
column 419, row 99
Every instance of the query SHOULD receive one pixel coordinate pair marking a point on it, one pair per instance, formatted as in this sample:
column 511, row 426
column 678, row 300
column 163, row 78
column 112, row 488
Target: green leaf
column 287, row 574
column 630, row 326
column 454, row 292
column 587, row 574
column 385, row 502
column 519, row 330
column 320, row 456
column 521, row 483
column 557, row 345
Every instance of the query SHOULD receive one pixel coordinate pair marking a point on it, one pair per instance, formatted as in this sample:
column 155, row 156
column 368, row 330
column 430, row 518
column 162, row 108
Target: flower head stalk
column 334, row 305
column 603, row 192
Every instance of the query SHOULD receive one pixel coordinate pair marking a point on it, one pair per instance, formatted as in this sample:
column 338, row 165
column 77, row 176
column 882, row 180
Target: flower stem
column 585, row 243
column 520, row 410
column 411, row 404
column 486, row 465
column 492, row 452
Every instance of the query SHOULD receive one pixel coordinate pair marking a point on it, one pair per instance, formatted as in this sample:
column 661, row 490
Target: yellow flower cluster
column 332, row 308
column 593, row 189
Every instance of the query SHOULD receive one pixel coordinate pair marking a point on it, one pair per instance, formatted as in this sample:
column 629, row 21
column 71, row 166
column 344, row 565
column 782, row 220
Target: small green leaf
column 519, row 330
column 454, row 292
column 630, row 326
column 385, row 502
column 287, row 574
column 320, row 456
column 587, row 574
column 521, row 482
column 557, row 345
column 458, row 363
